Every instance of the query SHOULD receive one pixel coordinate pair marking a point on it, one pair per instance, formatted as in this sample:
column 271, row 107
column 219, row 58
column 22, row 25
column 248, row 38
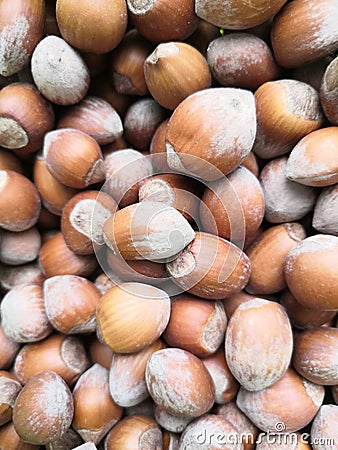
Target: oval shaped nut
column 324, row 427
column 329, row 92
column 237, row 15
column 20, row 203
column 94, row 116
column 137, row 431
column 175, row 70
column 195, row 325
column 258, row 344
column 147, row 230
column 314, row 159
column 82, row 220
column 132, row 316
column 304, row 31
column 210, row 431
column 22, row 27
column 311, row 272
column 127, row 384
column 267, row 256
column 70, row 303
column 241, row 60
column 233, row 206
column 315, row 355
column 285, row 200
column 23, row 314
column 73, row 157
column 44, row 409
column 210, row 267
column 179, row 382
column 325, row 215
column 18, row 248
column 95, row 412
column 287, row 110
column 219, row 132
column 10, row 437
column 59, row 72
column 292, row 401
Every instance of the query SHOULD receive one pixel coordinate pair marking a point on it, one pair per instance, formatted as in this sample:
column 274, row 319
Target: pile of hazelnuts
column 168, row 224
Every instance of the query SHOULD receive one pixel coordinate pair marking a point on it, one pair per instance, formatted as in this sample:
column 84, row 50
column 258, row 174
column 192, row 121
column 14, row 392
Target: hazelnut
column 329, row 92
column 10, row 440
column 12, row 276
column 292, row 401
column 100, row 353
column 23, row 314
column 315, row 355
column 9, row 390
column 19, row 247
column 59, row 72
column 64, row 355
column 325, row 215
column 324, row 427
column 8, row 349
column 121, row 313
column 262, row 324
column 44, row 409
column 179, row 382
column 70, row 303
column 95, row 412
column 9, row 161
column 174, row 424
column 310, row 272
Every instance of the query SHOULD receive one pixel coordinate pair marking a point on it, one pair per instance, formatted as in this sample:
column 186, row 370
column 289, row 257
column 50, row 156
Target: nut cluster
column 168, row 224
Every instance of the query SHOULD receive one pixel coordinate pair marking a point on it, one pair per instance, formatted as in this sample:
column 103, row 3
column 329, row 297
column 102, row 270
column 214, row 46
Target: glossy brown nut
column 96, row 28
column 179, row 382
column 163, row 20
column 287, row 110
column 285, row 200
column 301, row 316
column 127, row 384
column 267, row 256
column 325, row 215
column 23, row 314
column 20, row 202
column 126, row 64
column 93, row 116
column 241, row 60
column 70, row 303
column 92, row 418
column 121, row 314
column 147, row 230
column 175, row 70
column 62, row 354
column 247, row 330
column 310, row 272
column 19, row 247
column 9, row 161
column 195, row 325
column 226, row 385
column 44, row 409
column 136, row 431
column 100, row 353
column 300, row 37
column 22, row 26
column 57, row 259
column 64, row 78
column 21, row 108
column 233, row 206
column 314, row 161
column 315, row 355
column 73, row 157
column 292, row 401
column 210, row 267
column 208, row 145
column 54, row 195
column 82, row 219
